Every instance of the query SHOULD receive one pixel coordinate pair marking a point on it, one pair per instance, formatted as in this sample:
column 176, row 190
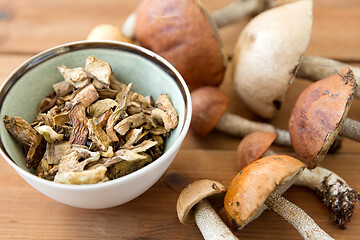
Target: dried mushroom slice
column 163, row 102
column 85, row 177
column 61, row 119
column 109, row 153
column 115, row 84
column 51, row 103
column 55, row 151
column 132, row 121
column 49, row 134
column 126, row 167
column 131, row 154
column 132, row 137
column 78, row 77
column 78, row 119
column 101, row 106
column 71, row 160
column 98, row 136
column 102, row 120
column 101, row 70
column 21, row 129
column 63, row 88
column 36, row 151
column 161, row 117
column 123, row 96
column 86, row 95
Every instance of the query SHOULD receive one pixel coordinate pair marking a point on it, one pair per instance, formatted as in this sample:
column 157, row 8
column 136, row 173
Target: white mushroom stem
column 350, row 129
column 305, row 225
column 236, row 11
column 238, row 126
column 315, row 68
column 333, row 190
column 210, row 224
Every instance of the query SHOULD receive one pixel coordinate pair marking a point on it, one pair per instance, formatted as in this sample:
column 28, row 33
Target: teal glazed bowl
column 23, row 90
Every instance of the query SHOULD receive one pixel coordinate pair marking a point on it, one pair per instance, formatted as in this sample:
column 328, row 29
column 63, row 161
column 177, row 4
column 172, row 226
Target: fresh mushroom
column 333, row 190
column 264, row 66
column 107, row 32
column 269, row 55
column 319, row 116
column 183, row 33
column 259, row 185
column 209, row 112
column 193, row 206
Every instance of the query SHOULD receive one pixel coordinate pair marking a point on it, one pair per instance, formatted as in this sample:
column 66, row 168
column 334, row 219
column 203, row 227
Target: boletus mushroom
column 259, row 185
column 264, row 66
column 319, row 116
column 193, row 206
column 331, row 188
column 269, row 55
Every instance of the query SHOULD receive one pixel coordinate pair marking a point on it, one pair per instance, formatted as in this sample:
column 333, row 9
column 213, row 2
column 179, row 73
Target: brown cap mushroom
column 182, row 33
column 264, row 67
column 193, row 207
column 332, row 189
column 258, row 186
column 319, row 114
column 209, row 111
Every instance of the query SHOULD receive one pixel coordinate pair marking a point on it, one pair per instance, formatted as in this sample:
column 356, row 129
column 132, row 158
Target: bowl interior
column 27, row 88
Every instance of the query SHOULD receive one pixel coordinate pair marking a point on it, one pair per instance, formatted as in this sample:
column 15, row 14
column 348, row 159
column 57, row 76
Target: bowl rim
column 106, row 44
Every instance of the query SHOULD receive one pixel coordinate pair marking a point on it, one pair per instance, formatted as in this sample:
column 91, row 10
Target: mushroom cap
column 318, row 115
column 107, row 32
column 194, row 193
column 245, row 197
column 268, row 53
column 253, row 146
column 182, row 33
column 209, row 105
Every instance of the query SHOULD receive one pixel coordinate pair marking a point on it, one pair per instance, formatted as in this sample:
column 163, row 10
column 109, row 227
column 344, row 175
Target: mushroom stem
column 238, row 126
column 305, row 225
column 236, row 11
column 332, row 189
column 350, row 129
column 315, row 68
column 210, row 224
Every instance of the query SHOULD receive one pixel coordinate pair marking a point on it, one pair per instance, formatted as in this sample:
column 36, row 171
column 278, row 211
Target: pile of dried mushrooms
column 93, row 128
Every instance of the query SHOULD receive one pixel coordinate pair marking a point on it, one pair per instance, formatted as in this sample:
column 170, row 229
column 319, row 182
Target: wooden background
column 28, row 27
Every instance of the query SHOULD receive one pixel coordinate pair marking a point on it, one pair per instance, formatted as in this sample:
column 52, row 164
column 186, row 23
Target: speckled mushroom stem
column 240, row 127
column 305, row 225
column 315, row 68
column 210, row 224
column 350, row 129
column 236, row 11
column 332, row 189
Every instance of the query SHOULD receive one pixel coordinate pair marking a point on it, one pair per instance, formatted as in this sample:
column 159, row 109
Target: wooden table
column 28, row 27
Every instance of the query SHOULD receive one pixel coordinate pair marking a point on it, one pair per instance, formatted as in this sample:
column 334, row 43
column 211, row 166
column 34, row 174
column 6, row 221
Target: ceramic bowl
column 23, row 90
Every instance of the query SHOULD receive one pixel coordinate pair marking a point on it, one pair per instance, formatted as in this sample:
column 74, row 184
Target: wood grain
column 29, row 26
column 26, row 214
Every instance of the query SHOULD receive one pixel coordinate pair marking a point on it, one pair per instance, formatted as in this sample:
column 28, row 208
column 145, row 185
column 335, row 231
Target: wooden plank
column 32, row 26
column 27, row 214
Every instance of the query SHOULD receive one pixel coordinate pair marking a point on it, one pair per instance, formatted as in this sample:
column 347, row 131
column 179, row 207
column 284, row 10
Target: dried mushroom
column 49, row 134
column 93, row 128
